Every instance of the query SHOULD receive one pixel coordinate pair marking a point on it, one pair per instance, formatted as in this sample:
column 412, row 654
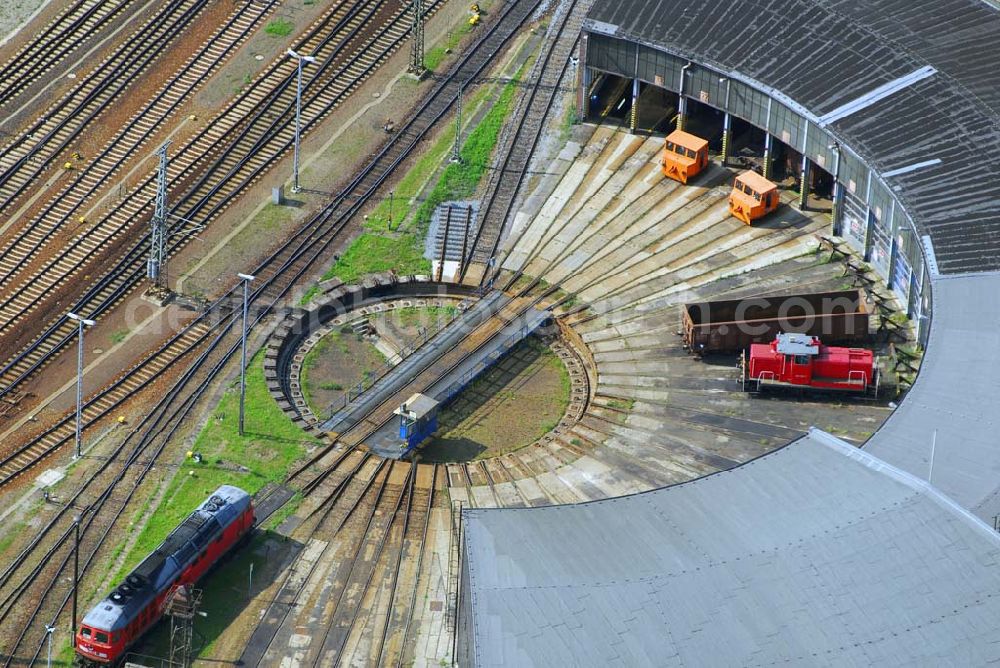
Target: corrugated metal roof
column 816, row 553
column 956, row 399
column 830, row 55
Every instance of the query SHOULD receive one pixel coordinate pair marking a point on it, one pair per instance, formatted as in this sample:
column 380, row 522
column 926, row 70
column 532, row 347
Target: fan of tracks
column 32, row 587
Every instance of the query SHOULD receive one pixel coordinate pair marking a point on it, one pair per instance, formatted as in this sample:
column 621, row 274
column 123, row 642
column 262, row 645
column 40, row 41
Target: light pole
column 392, row 194
column 48, row 632
column 298, row 122
column 80, row 321
column 246, row 278
column 76, row 572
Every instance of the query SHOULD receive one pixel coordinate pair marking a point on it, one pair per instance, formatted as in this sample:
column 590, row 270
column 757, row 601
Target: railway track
column 379, row 512
column 83, row 185
column 56, row 41
column 56, row 129
column 239, row 146
column 144, row 445
column 521, row 138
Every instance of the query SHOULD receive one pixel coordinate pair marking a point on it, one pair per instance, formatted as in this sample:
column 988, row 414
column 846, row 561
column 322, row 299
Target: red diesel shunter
column 118, row 621
column 799, row 360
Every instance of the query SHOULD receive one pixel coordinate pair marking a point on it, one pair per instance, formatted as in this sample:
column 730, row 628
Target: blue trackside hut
column 417, row 421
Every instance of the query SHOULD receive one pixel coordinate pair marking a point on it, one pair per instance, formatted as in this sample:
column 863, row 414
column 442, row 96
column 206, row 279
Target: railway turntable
column 434, row 374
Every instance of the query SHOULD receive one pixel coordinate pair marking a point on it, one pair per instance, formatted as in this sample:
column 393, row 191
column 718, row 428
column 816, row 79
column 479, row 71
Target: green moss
column 283, row 513
column 309, row 295
column 279, row 28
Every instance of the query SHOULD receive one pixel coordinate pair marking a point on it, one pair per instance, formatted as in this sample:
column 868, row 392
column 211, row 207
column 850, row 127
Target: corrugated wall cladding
column 825, row 53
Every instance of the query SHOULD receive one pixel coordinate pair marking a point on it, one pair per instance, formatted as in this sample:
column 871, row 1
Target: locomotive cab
column 96, row 644
column 684, row 156
column 753, row 197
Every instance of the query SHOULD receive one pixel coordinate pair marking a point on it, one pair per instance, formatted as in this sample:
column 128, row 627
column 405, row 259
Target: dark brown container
column 732, row 325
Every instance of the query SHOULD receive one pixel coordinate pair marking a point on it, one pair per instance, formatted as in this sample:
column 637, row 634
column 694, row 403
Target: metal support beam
column 681, row 101
column 804, row 171
column 159, row 234
column 767, row 155
column 727, row 121
column 726, row 138
column 583, row 82
column 869, row 233
column 803, row 183
column 893, row 245
column 417, row 39
column 634, row 116
column 836, row 195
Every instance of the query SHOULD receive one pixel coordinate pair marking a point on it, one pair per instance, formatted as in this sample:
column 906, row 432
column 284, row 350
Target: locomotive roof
column 757, row 182
column 687, row 140
column 792, row 343
column 158, row 570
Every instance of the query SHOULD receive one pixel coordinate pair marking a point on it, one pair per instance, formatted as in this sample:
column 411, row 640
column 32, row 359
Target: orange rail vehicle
column 684, row 156
column 753, row 197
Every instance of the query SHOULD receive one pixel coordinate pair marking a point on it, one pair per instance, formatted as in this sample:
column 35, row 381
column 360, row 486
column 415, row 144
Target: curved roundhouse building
column 818, row 553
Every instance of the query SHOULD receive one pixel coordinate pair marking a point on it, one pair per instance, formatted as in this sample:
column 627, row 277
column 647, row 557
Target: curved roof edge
column 817, row 550
column 953, row 409
column 919, row 103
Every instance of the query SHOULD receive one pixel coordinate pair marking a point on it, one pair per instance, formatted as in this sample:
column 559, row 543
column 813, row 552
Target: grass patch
column 402, row 251
column 270, row 445
column 622, row 404
column 12, row 531
column 283, row 513
column 279, row 28
column 309, row 295
column 119, row 336
column 373, row 253
column 568, row 121
column 435, row 55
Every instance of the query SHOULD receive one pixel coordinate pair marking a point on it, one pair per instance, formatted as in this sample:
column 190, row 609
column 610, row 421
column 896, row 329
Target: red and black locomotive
column 118, row 621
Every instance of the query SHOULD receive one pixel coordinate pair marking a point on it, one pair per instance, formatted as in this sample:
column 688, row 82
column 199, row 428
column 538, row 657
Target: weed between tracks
column 279, row 28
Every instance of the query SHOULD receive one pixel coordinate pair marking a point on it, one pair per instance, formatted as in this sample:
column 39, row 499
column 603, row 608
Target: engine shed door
column 799, row 369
